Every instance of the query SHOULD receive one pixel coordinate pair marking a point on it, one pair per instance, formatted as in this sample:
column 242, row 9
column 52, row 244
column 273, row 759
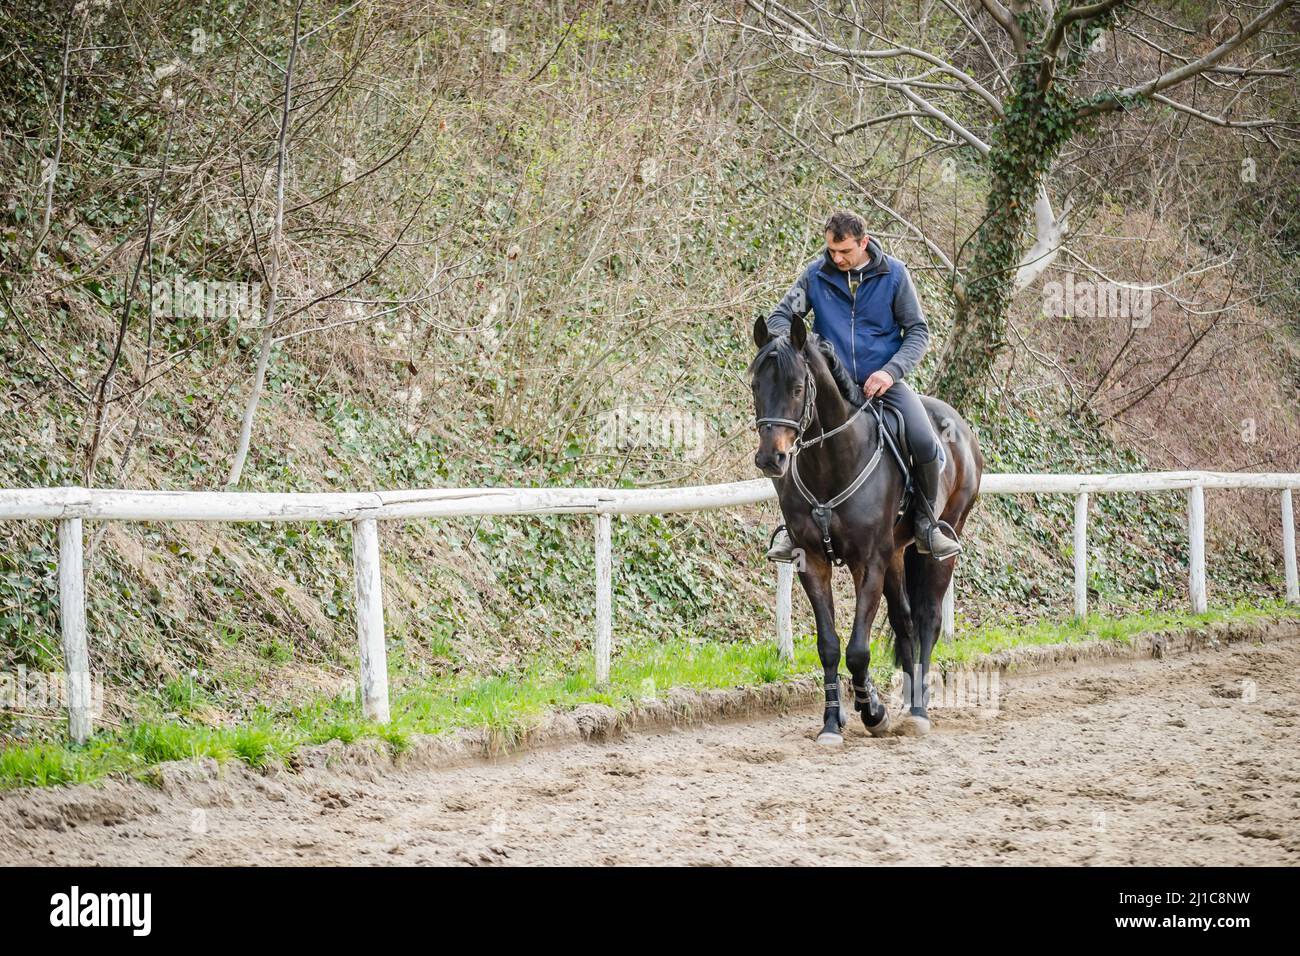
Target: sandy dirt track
column 1177, row 761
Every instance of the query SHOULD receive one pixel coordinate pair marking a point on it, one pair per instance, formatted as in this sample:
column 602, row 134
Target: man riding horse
column 874, row 332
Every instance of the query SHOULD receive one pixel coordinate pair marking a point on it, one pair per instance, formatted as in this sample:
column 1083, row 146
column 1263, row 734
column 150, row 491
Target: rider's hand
column 877, row 384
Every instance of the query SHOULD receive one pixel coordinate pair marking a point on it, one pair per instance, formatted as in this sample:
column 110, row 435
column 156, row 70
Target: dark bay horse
column 796, row 401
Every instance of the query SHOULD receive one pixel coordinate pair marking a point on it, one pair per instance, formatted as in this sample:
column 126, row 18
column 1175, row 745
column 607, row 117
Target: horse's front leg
column 869, row 581
column 816, row 580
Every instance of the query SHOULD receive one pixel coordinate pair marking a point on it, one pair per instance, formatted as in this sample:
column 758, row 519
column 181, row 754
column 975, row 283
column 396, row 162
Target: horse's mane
column 781, row 350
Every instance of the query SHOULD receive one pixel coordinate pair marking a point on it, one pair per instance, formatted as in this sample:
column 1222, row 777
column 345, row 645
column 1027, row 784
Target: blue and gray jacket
column 882, row 327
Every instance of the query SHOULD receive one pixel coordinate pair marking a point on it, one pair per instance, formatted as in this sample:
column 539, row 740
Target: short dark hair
column 842, row 224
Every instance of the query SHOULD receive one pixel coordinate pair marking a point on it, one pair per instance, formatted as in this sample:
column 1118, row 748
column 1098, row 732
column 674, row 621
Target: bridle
column 805, row 415
column 821, row 510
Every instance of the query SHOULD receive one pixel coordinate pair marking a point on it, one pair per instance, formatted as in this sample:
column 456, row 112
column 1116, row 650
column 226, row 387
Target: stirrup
column 783, row 555
column 925, row 542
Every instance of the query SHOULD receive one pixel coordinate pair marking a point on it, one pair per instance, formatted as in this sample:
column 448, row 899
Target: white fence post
column 604, row 597
column 1196, row 542
column 72, row 619
column 1081, row 555
column 370, row 621
column 1288, row 547
column 948, row 609
column 784, row 631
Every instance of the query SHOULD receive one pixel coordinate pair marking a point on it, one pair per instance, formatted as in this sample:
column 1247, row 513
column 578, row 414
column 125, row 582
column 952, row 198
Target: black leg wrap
column 862, row 696
column 865, row 698
column 833, row 708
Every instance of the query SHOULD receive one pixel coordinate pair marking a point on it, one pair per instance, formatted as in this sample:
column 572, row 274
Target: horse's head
column 779, row 377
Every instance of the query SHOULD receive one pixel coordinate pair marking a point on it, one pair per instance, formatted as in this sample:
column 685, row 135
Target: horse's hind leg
column 816, row 582
column 875, row 715
column 870, row 582
column 927, row 618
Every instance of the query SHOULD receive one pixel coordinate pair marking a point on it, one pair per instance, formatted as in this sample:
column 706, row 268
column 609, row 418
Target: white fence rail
column 70, row 506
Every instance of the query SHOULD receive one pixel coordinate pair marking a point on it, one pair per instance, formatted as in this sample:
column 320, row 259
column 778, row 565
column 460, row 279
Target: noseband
column 821, row 510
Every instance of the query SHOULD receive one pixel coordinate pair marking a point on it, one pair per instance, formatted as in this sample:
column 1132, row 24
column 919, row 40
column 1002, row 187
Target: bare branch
column 911, row 227
column 874, row 121
column 811, row 36
column 1114, row 101
column 1002, row 16
column 1216, row 120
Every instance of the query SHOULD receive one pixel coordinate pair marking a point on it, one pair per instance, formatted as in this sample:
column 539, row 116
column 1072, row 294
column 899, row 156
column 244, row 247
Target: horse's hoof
column 881, row 727
column 914, row 726
column 828, row 738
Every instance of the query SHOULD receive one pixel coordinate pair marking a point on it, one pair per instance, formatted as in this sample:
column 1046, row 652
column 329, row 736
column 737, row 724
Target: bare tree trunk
column 273, row 271
column 53, row 172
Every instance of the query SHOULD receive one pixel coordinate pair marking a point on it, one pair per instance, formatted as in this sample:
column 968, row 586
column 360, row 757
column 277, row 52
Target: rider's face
column 847, row 253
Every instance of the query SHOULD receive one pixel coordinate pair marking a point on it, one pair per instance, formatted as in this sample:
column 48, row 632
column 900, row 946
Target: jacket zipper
column 853, row 327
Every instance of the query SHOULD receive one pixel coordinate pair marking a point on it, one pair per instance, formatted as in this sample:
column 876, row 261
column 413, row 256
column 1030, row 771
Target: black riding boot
column 930, row 537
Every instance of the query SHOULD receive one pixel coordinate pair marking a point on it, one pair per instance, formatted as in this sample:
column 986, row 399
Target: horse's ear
column 761, row 335
column 798, row 332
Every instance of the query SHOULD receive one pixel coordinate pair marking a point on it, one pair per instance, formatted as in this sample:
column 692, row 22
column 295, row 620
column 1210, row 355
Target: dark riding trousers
column 921, row 439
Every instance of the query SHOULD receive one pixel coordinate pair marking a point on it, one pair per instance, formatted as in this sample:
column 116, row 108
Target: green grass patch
column 506, row 706
column 991, row 638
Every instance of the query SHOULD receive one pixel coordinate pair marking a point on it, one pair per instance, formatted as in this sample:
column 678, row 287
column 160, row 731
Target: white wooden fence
column 70, row 506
